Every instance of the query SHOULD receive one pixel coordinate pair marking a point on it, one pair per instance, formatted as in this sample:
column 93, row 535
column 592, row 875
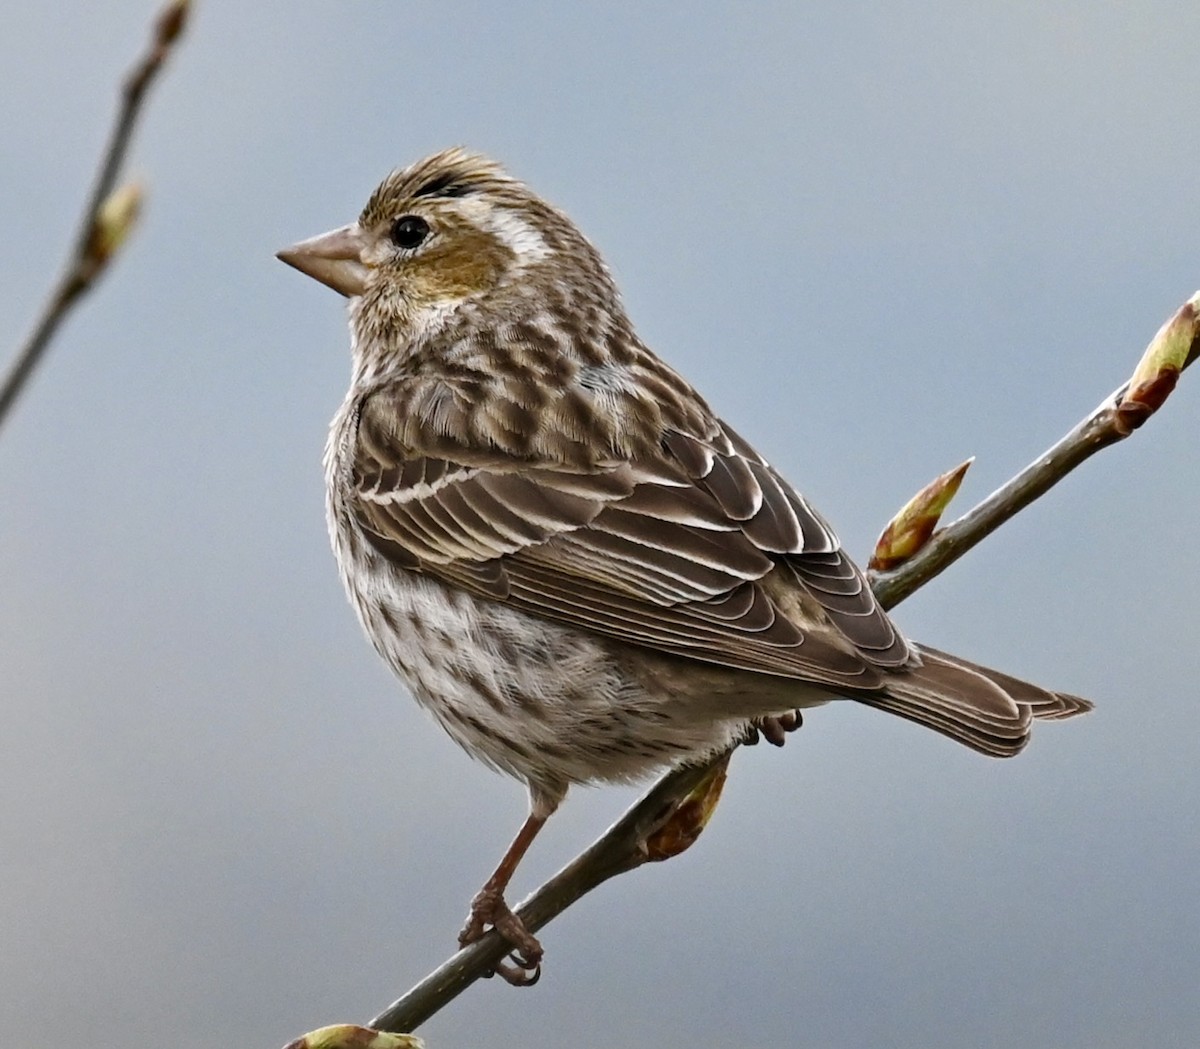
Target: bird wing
column 692, row 545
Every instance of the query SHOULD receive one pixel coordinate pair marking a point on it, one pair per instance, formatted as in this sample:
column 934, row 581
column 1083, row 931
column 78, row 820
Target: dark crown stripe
column 443, row 185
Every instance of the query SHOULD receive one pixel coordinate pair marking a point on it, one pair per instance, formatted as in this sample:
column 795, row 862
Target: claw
column 773, row 729
column 488, row 908
column 521, row 972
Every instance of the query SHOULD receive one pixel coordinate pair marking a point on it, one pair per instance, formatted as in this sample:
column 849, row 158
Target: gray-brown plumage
column 580, row 570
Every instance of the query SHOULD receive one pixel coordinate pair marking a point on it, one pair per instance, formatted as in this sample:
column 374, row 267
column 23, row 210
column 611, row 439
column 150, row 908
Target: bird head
column 451, row 229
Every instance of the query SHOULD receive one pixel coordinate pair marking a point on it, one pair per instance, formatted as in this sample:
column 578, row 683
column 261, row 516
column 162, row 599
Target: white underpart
column 430, row 320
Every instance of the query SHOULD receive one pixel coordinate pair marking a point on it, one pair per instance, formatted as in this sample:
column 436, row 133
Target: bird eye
column 409, row 231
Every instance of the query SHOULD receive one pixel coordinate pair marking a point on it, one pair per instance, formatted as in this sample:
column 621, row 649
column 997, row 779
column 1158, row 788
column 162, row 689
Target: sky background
column 881, row 238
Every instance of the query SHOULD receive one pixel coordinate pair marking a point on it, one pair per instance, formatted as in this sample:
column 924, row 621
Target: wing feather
column 695, row 546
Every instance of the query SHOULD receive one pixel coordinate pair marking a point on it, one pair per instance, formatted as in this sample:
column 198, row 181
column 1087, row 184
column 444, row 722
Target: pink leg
column 489, row 908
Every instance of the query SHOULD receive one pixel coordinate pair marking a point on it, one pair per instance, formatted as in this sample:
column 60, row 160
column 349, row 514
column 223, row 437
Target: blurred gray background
column 881, row 238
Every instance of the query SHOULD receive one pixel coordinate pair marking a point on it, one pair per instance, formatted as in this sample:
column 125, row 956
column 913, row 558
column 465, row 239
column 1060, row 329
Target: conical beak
column 333, row 258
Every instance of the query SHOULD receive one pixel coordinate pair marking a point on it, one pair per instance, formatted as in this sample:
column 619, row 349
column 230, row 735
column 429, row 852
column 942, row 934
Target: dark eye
column 409, row 231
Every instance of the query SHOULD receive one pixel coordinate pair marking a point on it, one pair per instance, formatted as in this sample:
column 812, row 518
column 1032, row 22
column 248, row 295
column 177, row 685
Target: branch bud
column 172, row 20
column 114, row 221
column 350, row 1036
column 1170, row 351
column 913, row 525
column 690, row 817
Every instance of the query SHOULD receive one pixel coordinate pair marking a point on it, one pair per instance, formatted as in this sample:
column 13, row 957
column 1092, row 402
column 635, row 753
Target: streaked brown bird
column 582, row 572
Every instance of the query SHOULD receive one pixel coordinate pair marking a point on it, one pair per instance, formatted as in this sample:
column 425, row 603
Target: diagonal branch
column 1173, row 349
column 109, row 215
column 627, row 844
column 675, row 810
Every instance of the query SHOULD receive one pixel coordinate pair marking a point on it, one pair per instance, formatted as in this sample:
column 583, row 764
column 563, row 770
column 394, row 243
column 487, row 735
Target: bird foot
column 773, row 729
column 524, row 967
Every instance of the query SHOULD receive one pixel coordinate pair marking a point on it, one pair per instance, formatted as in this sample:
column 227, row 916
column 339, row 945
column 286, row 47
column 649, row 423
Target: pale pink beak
column 333, row 258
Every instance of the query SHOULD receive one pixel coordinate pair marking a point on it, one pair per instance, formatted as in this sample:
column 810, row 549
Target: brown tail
column 987, row 710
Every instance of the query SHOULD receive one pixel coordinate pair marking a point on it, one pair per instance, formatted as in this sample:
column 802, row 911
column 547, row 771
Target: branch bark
column 110, row 213
column 668, row 818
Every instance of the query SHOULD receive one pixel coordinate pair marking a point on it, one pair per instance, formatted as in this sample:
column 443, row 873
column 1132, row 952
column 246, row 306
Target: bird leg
column 489, row 908
column 773, row 729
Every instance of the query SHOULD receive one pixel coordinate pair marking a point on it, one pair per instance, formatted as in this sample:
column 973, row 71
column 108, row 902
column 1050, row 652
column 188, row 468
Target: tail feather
column 1044, row 704
column 984, row 709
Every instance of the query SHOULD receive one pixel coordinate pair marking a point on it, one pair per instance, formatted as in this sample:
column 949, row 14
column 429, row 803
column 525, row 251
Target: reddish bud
column 1171, row 350
column 690, row 817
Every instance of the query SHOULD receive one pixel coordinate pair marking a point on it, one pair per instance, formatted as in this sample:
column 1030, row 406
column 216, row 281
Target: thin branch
column 109, row 215
column 1117, row 416
column 627, row 844
column 686, row 796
